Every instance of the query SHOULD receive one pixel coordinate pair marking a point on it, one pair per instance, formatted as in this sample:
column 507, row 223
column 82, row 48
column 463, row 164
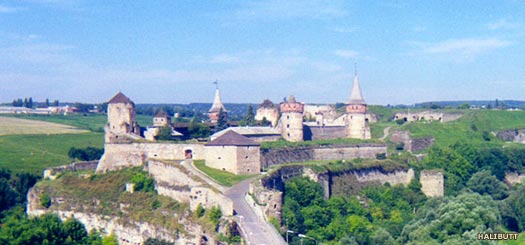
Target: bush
column 86, row 154
column 143, row 182
column 200, row 211
column 215, row 214
column 45, row 200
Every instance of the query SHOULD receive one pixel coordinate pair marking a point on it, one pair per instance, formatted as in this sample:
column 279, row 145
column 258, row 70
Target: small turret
column 292, row 120
column 217, row 106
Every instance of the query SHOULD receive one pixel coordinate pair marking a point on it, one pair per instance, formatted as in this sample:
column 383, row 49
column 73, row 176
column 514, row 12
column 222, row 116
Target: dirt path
column 386, row 132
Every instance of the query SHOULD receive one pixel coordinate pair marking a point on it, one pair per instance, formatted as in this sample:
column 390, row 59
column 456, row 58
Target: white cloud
column 460, row 49
column 419, row 29
column 344, row 29
column 276, row 9
column 346, row 53
column 502, row 24
column 6, row 9
column 224, row 59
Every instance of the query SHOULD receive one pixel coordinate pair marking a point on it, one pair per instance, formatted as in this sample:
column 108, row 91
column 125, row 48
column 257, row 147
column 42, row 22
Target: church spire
column 356, row 97
column 217, row 102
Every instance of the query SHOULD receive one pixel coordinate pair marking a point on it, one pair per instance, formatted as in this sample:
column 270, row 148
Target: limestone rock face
column 130, row 233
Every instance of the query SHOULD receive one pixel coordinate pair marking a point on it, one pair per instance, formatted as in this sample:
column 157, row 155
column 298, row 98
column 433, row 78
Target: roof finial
column 355, row 68
column 216, row 84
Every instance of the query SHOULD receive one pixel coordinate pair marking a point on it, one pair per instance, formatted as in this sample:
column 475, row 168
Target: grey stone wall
column 77, row 166
column 411, row 144
column 515, row 135
column 324, row 132
column 270, row 157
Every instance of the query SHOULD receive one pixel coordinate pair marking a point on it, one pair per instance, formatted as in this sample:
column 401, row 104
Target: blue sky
column 172, row 51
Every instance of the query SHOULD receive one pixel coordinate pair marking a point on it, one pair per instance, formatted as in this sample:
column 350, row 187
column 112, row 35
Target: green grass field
column 222, row 177
column 470, row 127
column 33, row 153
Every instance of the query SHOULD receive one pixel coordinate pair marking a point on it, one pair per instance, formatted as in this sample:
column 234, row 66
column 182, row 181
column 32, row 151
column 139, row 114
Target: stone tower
column 292, row 120
column 122, row 119
column 356, row 123
column 213, row 113
column 267, row 110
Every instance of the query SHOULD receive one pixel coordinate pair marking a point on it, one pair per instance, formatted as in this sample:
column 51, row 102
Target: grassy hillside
column 33, row 153
column 476, row 126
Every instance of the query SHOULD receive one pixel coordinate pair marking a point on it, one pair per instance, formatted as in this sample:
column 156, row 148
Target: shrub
column 45, row 200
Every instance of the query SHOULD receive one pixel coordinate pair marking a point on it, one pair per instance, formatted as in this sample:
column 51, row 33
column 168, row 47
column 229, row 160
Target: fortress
column 236, row 149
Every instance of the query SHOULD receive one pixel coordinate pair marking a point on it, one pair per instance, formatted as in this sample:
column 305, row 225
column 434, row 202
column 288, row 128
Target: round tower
column 267, row 110
column 292, row 120
column 356, row 122
column 121, row 119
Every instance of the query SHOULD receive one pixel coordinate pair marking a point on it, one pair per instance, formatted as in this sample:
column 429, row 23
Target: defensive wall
column 324, row 132
column 411, row 144
column 267, row 193
column 276, row 156
column 53, row 172
column 514, row 135
column 117, row 156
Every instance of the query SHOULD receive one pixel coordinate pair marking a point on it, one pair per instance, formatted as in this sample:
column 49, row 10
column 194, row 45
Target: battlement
column 292, row 106
column 356, row 108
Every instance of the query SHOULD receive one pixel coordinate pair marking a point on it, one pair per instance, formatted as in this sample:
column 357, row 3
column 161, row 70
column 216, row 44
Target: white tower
column 356, row 122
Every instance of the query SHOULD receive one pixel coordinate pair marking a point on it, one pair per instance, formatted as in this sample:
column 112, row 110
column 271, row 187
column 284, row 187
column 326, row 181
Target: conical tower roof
column 217, row 103
column 356, row 97
column 120, row 98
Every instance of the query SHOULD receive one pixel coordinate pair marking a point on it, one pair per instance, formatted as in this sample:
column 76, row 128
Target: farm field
column 93, row 123
column 30, row 145
column 33, row 153
column 12, row 126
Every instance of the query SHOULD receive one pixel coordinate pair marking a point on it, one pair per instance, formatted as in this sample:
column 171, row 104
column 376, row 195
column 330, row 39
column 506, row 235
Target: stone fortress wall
column 427, row 116
column 117, row 156
column 411, row 144
column 271, row 157
column 432, row 183
column 268, row 191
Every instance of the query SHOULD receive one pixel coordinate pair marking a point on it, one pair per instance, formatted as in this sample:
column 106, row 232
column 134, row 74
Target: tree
column 198, row 130
column 464, row 106
column 47, row 102
column 513, row 210
column 222, row 122
column 382, row 237
column 250, row 117
column 486, row 184
column 165, row 133
column 30, row 102
column 460, row 217
column 55, row 103
column 7, row 195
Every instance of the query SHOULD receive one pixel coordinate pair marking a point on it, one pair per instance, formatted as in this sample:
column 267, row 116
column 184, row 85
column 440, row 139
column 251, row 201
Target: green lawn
column 220, row 176
column 33, row 153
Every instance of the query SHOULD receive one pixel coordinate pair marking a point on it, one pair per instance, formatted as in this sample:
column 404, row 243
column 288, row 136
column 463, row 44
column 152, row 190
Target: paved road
column 256, row 231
